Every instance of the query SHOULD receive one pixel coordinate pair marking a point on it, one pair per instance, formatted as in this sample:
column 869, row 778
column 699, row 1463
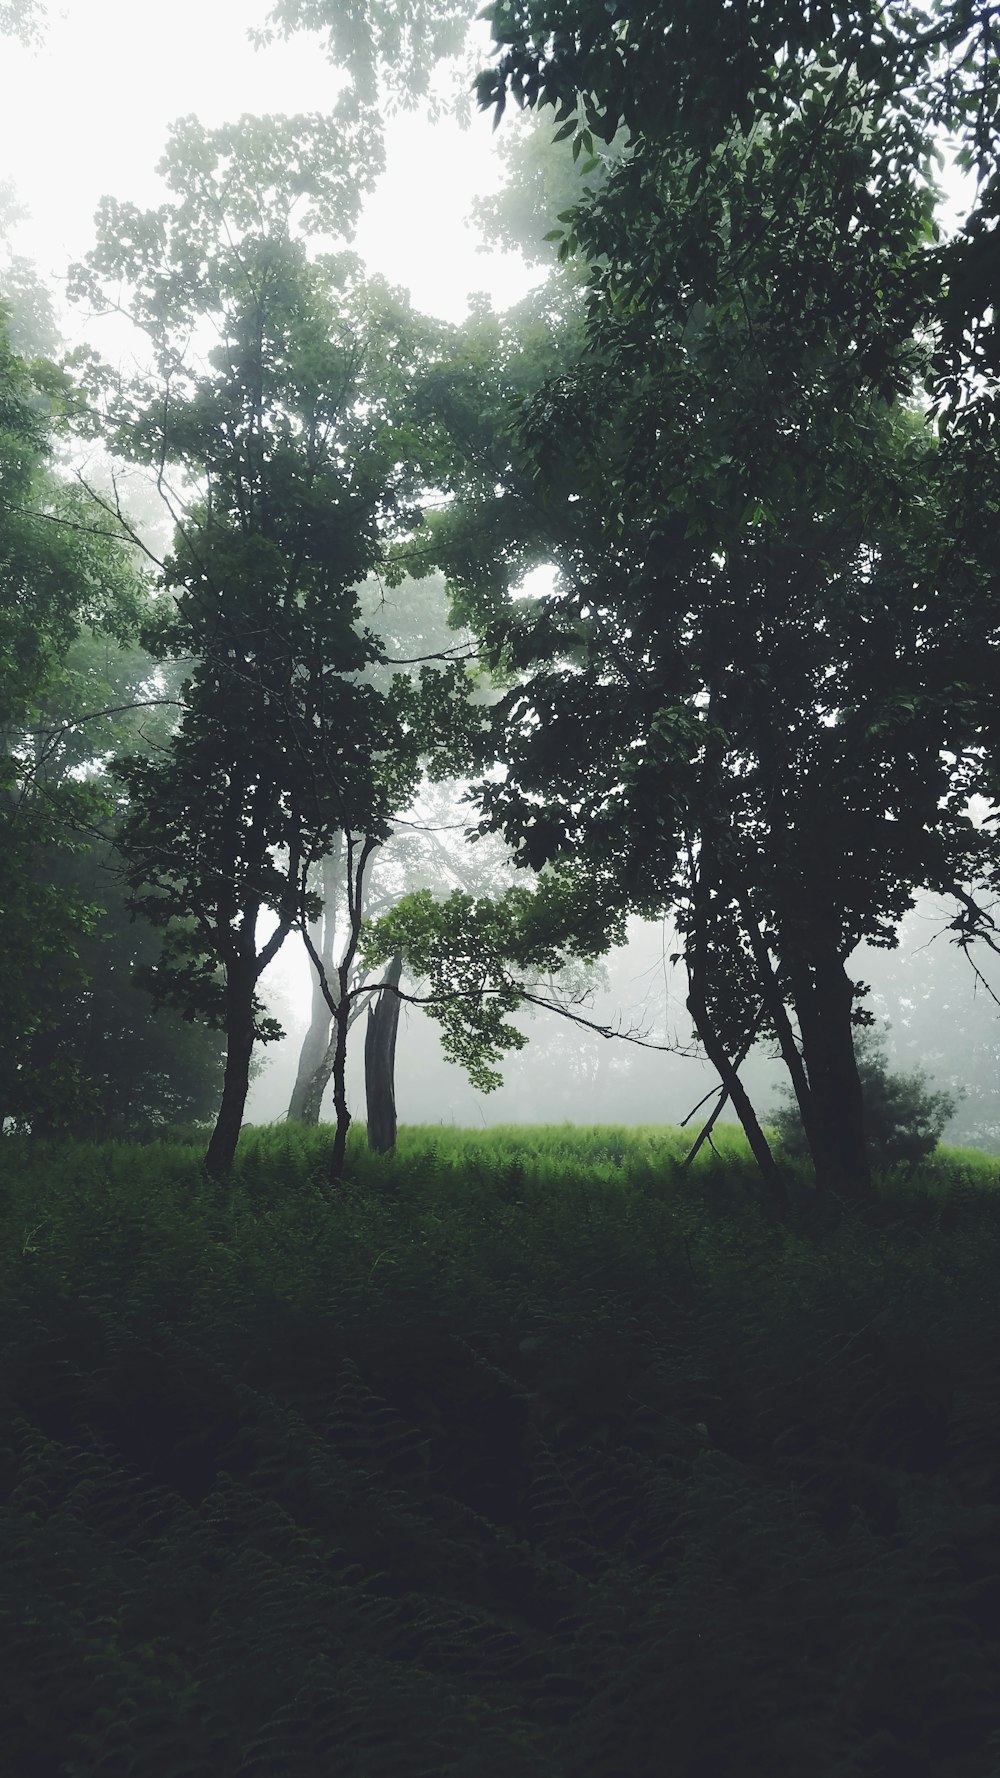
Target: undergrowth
column 520, row 1453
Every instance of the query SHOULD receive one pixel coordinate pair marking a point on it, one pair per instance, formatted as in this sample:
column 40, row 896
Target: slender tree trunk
column 380, row 1062
column 340, row 1029
column 723, row 1099
column 316, row 1054
column 774, row 1004
column 705, row 1133
column 313, row 1070
column 810, row 1111
column 316, row 1085
column 240, row 985
column 716, row 1053
column 356, row 860
column 823, row 996
column 825, row 1076
column 704, row 882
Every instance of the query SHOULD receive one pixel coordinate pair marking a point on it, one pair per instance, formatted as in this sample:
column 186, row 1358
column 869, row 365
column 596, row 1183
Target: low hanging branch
column 610, row 1031
column 483, row 959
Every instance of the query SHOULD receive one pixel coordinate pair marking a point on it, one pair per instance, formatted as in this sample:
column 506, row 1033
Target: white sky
column 87, row 114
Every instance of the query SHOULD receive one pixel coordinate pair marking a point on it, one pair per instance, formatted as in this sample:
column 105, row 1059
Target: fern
column 519, row 1456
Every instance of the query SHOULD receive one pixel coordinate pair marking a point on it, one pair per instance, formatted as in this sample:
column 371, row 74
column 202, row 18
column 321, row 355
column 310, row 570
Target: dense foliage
column 282, row 464
column 70, row 602
column 751, row 698
column 702, row 76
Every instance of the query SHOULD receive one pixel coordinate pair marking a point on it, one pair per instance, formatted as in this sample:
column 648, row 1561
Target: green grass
column 521, row 1453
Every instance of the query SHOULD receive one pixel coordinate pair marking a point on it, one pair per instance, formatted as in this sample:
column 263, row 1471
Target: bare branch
column 483, row 992
column 62, row 728
column 54, row 518
column 444, row 654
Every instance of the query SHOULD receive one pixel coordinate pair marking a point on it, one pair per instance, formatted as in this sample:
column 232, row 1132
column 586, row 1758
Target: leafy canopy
column 268, row 418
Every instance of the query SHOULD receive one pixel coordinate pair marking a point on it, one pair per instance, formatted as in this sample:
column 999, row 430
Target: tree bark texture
column 314, row 1089
column 380, row 1062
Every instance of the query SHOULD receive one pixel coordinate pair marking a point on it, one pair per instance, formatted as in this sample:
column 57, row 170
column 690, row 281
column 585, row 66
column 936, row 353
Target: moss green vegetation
column 522, row 1454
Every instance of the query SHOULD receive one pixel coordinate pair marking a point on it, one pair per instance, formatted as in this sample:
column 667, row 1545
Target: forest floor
column 520, row 1453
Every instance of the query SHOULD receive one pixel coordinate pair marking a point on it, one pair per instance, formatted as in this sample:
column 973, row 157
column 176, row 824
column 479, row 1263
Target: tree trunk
column 313, row 1070
column 341, row 1025
column 823, row 996
column 773, row 1002
column 240, row 985
column 380, row 1062
column 716, row 1053
column 357, row 855
column 316, row 1054
column 314, row 1088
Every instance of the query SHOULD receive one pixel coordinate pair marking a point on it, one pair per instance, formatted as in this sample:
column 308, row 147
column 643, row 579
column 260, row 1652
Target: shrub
column 904, row 1118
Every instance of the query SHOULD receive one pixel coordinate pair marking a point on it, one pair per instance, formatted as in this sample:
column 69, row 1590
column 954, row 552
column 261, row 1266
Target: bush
column 903, row 1117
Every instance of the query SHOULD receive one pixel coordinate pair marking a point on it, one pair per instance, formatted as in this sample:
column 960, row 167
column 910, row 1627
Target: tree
column 750, row 697
column 102, row 1061
column 87, row 1055
column 426, row 848
column 65, row 576
column 275, row 450
column 140, row 1066
column 694, row 78
column 23, row 20
column 378, row 44
column 412, row 856
column 773, row 188
column 317, row 1050
column 482, row 958
column 359, row 884
column 814, row 228
column 380, row 1061
column 30, row 321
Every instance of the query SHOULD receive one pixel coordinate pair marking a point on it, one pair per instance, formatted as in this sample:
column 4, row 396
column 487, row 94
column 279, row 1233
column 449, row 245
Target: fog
column 87, row 113
column 925, row 997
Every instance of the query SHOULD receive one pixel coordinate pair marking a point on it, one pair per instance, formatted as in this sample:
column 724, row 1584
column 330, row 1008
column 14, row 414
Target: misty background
column 925, row 997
